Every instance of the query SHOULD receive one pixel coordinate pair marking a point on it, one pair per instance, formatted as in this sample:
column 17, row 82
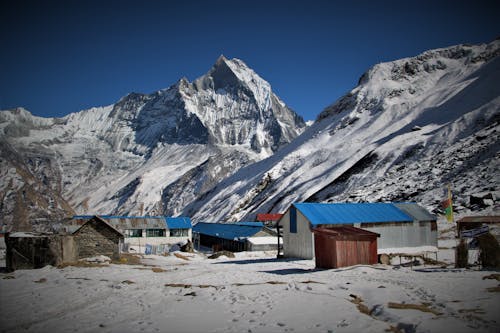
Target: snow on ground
column 253, row 292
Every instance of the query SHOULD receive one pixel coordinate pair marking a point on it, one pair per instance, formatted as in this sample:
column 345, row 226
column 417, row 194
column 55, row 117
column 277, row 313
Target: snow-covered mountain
column 146, row 154
column 408, row 129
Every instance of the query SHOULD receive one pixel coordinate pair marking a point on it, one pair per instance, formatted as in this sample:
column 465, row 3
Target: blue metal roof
column 229, row 231
column 143, row 222
column 251, row 224
column 178, row 222
column 412, row 209
column 346, row 213
column 80, row 217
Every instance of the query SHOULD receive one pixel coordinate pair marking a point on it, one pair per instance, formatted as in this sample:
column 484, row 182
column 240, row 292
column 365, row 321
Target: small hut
column 28, row 250
column 98, row 237
column 344, row 246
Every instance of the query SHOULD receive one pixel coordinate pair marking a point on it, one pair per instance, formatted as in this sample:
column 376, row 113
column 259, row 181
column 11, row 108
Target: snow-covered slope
column 408, row 129
column 148, row 153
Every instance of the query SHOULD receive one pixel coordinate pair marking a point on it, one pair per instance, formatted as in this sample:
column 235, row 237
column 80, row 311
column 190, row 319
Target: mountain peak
column 221, row 59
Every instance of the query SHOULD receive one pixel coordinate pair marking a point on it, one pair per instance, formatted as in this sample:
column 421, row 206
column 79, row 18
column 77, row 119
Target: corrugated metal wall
column 301, row 243
column 396, row 235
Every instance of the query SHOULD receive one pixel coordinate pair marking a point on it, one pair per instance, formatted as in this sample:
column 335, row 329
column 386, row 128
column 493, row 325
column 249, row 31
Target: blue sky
column 58, row 57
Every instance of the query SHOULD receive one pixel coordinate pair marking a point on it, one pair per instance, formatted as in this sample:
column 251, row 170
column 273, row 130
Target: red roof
column 268, row 217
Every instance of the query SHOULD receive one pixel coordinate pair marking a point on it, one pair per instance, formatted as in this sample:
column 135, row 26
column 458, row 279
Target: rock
column 188, row 247
column 385, row 259
column 481, row 200
column 221, row 253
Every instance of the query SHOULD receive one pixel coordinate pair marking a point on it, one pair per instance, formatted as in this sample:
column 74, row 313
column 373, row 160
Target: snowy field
column 253, row 292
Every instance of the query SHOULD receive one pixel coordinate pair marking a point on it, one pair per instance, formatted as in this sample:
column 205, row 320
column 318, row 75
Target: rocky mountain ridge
column 408, row 130
column 146, row 154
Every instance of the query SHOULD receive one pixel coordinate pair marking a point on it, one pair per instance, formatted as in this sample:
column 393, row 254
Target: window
column 293, row 220
column 155, row 233
column 179, row 232
column 133, row 232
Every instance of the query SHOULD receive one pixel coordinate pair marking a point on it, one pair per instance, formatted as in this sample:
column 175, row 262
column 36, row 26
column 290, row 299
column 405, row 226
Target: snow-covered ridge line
column 406, row 111
column 148, row 153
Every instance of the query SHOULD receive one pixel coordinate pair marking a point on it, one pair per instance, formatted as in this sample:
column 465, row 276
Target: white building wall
column 300, row 244
column 167, row 240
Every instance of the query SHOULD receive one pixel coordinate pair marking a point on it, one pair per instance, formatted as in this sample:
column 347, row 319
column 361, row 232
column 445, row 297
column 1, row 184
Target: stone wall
column 96, row 238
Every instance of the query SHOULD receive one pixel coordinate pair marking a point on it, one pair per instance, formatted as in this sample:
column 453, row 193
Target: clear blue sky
column 58, row 57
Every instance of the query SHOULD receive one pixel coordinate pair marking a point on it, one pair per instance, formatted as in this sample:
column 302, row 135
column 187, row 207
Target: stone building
column 98, row 237
column 143, row 232
column 26, row 250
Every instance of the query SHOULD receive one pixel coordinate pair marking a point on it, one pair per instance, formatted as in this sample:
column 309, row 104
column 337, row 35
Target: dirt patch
column 360, row 305
column 221, row 253
column 393, row 329
column 375, row 311
column 182, row 285
column 82, row 264
column 180, row 256
column 258, row 283
column 311, row 281
column 494, row 276
column 421, row 307
column 42, row 280
column 178, row 285
column 476, row 311
column 128, row 259
column 128, row 282
column 430, row 261
column 494, row 289
column 158, row 270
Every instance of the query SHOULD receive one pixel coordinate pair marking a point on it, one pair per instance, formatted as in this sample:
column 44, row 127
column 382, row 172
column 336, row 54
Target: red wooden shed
column 344, row 246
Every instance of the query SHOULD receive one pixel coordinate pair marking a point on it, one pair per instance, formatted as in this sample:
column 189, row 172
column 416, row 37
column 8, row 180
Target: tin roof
column 418, row 213
column 142, row 222
column 479, row 219
column 347, row 213
column 179, row 222
column 231, row 231
column 27, row 234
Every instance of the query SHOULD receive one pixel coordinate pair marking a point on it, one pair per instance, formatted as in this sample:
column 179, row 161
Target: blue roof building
column 140, row 231
column 348, row 213
column 235, row 237
column 402, row 227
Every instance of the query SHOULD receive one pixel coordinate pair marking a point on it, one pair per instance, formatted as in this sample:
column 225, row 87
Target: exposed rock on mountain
column 146, row 154
column 410, row 128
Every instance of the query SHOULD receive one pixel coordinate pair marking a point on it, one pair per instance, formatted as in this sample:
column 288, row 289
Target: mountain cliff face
column 146, row 154
column 410, row 128
column 224, row 147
